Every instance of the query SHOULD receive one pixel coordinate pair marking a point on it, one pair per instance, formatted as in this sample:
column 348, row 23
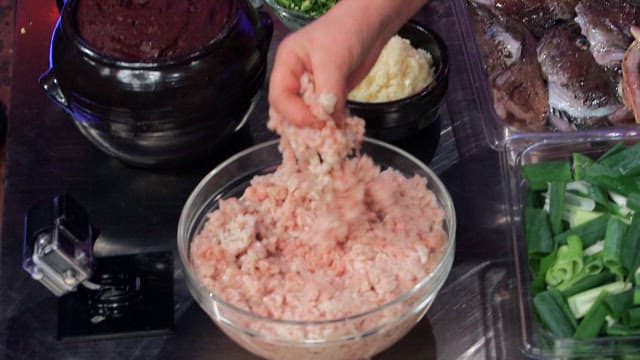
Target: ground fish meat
column 322, row 237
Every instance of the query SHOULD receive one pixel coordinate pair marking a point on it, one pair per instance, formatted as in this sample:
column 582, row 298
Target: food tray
column 536, row 342
column 501, row 135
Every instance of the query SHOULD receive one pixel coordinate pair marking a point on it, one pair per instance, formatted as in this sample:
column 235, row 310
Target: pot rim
column 68, row 24
column 440, row 78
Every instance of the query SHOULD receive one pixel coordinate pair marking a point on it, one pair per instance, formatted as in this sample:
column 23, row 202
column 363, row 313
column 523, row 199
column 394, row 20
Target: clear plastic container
column 535, row 341
column 498, row 132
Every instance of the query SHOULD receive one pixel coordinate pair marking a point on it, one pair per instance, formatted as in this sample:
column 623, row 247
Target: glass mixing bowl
column 358, row 336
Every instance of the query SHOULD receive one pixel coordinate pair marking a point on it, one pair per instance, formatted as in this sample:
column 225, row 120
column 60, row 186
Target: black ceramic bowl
column 168, row 111
column 399, row 119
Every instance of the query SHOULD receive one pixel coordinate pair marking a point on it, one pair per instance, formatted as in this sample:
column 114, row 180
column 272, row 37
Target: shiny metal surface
column 137, row 210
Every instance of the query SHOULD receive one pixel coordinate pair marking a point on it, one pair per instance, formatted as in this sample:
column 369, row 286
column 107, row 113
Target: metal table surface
column 137, row 210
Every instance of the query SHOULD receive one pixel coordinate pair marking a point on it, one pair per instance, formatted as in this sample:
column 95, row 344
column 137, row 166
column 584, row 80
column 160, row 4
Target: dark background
column 137, row 210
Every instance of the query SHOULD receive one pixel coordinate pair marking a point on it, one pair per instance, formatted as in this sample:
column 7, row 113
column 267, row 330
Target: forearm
column 373, row 19
column 363, row 27
column 337, row 49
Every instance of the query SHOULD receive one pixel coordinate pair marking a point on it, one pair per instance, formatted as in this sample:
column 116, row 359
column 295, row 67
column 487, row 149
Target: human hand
column 338, row 49
column 336, row 62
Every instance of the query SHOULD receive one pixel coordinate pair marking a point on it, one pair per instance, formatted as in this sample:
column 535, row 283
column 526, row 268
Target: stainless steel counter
column 474, row 317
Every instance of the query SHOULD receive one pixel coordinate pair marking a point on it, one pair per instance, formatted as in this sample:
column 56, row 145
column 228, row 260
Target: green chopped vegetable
column 583, row 242
column 633, row 201
column 580, row 162
column 538, row 175
column 538, row 231
column 622, row 330
column 636, row 293
column 612, row 151
column 568, row 264
column 556, row 205
column 631, row 317
column 581, row 302
column 594, row 249
column 611, row 179
column 631, row 245
column 618, row 304
column 612, row 253
column 539, row 282
column 625, row 161
column 576, row 216
column 310, row 7
column 594, row 319
column 551, row 313
column 586, row 283
column 593, row 264
column 589, row 232
column 580, row 201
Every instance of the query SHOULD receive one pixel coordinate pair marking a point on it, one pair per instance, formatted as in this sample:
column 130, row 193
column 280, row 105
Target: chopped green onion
column 593, row 264
column 600, row 196
column 581, row 302
column 568, row 262
column 539, row 283
column 633, row 201
column 619, row 303
column 540, row 174
column 586, row 283
column 631, row 317
column 534, row 199
column 581, row 201
column 610, row 179
column 594, row 249
column 625, row 162
column 538, row 232
column 618, row 199
column 580, row 163
column 579, row 186
column 631, row 245
column 636, row 292
column 590, row 232
column 622, row 330
column 551, row 314
column 583, row 241
column 594, row 319
column 556, row 205
column 576, row 216
column 612, row 253
column 311, row 7
column 618, row 147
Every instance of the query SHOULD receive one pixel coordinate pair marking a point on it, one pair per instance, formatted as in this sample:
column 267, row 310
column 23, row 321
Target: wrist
column 370, row 23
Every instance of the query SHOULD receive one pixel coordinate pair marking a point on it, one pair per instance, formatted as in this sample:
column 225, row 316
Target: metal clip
column 58, row 244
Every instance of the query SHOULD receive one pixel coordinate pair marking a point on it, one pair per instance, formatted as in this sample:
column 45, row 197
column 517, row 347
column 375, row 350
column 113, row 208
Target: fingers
column 292, row 60
column 284, row 85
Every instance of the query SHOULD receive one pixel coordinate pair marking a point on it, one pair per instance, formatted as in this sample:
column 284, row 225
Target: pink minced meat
column 326, row 235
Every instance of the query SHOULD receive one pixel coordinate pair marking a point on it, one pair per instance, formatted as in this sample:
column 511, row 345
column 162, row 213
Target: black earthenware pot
column 166, row 112
column 400, row 119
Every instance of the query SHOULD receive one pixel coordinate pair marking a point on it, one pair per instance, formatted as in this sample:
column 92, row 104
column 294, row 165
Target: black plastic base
column 423, row 143
column 136, row 299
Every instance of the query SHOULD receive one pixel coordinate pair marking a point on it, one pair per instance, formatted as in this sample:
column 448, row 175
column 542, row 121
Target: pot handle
column 267, row 25
column 51, row 87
